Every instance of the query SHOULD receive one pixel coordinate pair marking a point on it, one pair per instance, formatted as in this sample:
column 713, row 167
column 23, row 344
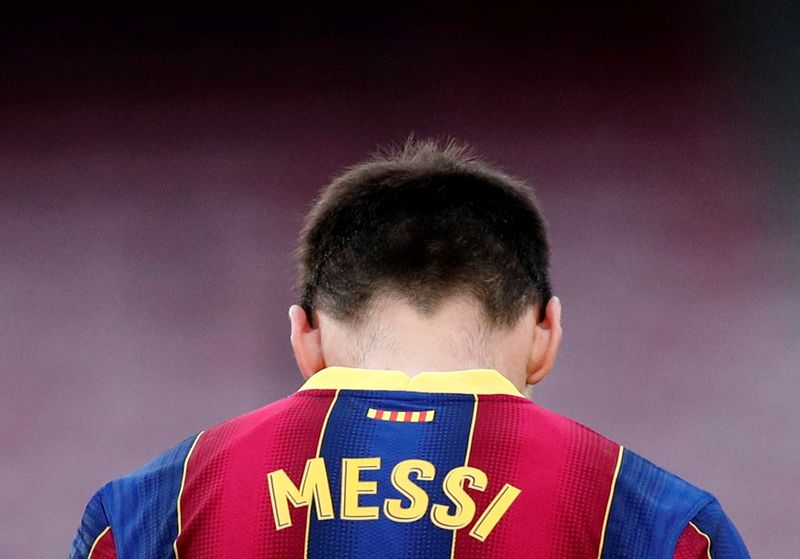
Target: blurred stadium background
column 155, row 169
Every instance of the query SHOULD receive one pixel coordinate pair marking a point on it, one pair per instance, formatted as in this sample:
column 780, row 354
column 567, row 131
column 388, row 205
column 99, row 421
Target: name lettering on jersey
column 415, row 502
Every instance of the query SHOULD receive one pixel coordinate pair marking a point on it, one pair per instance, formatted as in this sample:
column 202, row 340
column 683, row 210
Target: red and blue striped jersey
column 369, row 463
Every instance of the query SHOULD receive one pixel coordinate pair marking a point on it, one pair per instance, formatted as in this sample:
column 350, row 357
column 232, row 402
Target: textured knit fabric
column 452, row 464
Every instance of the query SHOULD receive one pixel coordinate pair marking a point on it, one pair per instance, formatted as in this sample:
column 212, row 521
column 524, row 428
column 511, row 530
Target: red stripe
column 407, row 418
column 567, row 496
column 423, row 416
column 225, row 508
column 105, row 548
column 379, row 414
column 691, row 545
column 393, row 416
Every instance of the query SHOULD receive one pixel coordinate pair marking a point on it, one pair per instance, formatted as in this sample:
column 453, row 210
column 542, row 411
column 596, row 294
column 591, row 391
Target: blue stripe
column 649, row 511
column 142, row 506
column 350, row 434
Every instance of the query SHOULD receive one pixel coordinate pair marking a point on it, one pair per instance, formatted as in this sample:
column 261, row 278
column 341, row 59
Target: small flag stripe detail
column 397, row 416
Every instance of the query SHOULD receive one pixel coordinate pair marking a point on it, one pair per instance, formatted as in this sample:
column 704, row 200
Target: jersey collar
column 465, row 381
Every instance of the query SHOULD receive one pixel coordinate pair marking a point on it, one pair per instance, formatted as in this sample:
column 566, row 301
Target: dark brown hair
column 424, row 222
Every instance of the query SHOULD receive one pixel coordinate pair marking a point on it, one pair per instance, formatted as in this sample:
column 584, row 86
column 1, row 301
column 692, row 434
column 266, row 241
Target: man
column 425, row 313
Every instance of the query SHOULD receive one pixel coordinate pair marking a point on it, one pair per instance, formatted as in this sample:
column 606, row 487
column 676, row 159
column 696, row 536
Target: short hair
column 421, row 223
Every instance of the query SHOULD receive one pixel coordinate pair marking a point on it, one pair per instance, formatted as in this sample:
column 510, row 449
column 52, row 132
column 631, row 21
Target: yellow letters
column 313, row 485
column 353, row 487
column 494, row 512
column 417, row 496
column 454, row 489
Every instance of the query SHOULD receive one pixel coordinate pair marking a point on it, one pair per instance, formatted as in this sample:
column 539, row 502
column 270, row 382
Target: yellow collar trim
column 466, row 381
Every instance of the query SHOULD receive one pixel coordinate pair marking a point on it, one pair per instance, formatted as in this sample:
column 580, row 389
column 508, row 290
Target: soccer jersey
column 363, row 463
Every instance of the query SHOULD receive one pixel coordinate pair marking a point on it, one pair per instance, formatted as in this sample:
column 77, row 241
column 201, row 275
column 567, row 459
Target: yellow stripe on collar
column 466, row 381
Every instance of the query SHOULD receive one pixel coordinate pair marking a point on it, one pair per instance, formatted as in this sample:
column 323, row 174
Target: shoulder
column 655, row 513
column 162, row 476
column 647, row 506
column 647, row 495
column 636, row 479
column 650, row 511
column 141, row 498
column 543, row 430
column 141, row 507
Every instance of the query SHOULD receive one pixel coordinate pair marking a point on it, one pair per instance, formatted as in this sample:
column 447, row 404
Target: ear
column 546, row 340
column 306, row 342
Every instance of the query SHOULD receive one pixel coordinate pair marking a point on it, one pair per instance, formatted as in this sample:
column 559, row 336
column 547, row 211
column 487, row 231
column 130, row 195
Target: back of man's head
column 421, row 224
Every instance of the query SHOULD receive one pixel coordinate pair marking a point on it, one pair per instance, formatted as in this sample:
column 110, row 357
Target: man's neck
column 398, row 338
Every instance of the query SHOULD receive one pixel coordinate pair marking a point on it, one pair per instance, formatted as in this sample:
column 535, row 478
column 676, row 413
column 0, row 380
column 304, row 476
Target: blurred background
column 155, row 168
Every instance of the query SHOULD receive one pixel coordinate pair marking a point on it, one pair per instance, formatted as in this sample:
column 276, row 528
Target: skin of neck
column 392, row 334
column 454, row 337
